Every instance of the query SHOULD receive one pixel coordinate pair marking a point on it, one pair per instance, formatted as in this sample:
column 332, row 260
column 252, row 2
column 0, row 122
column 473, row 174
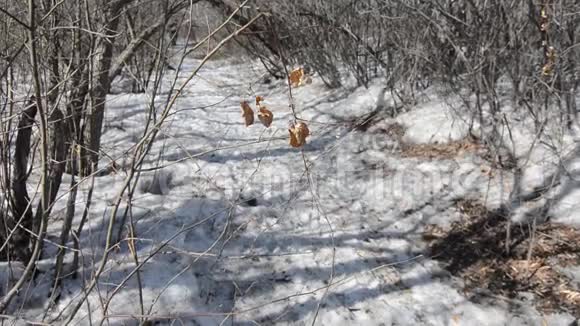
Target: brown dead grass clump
column 474, row 250
column 396, row 131
column 441, row 151
column 444, row 151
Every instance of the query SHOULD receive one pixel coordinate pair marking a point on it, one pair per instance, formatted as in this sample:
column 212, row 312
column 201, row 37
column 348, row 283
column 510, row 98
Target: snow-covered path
column 263, row 237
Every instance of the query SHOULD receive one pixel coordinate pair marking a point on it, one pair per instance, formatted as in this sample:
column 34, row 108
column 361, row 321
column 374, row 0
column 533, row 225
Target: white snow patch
column 433, row 122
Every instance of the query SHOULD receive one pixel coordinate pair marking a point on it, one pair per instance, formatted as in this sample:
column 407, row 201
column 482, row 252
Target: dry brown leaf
column 548, row 69
column 298, row 134
column 266, row 117
column 258, row 100
column 296, row 77
column 247, row 113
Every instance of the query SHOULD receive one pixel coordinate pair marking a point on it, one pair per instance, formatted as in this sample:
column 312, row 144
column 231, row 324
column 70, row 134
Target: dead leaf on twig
column 266, row 117
column 298, row 134
column 247, row 113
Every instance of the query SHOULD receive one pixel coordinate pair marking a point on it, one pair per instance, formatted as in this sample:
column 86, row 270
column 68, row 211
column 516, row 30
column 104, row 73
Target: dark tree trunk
column 57, row 157
column 21, row 218
column 100, row 86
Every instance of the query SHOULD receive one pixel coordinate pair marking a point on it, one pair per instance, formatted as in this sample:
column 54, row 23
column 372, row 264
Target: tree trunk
column 21, row 207
column 57, row 156
column 100, row 85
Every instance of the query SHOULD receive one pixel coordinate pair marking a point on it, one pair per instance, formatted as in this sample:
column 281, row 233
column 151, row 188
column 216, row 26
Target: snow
column 342, row 243
column 433, row 123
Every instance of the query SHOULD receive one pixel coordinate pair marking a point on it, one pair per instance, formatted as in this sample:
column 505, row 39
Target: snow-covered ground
column 265, row 234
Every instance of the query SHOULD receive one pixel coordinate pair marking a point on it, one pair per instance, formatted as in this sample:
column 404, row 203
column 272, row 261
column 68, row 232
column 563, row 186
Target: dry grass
column 474, row 250
column 445, row 151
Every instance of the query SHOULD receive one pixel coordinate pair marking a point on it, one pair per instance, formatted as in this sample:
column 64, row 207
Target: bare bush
column 59, row 60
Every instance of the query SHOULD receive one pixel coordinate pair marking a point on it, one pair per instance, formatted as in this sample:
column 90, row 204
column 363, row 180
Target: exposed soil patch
column 441, row 151
column 475, row 250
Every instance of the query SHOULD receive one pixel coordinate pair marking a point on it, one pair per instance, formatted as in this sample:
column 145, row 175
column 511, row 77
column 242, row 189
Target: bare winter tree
column 69, row 52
